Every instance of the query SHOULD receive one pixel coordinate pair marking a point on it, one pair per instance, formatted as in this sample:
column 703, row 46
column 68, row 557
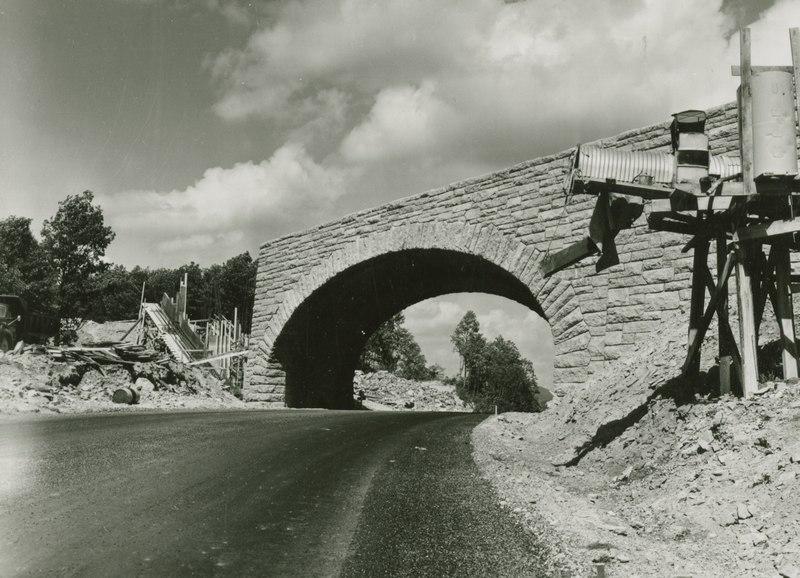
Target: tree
column 411, row 364
column 469, row 344
column 118, row 295
column 25, row 269
column 392, row 348
column 493, row 374
column 508, row 379
column 76, row 240
column 237, row 285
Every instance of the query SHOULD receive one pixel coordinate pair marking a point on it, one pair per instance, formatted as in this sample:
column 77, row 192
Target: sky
column 207, row 127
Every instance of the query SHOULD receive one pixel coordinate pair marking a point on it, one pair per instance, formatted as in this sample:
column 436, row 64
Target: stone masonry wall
column 522, row 205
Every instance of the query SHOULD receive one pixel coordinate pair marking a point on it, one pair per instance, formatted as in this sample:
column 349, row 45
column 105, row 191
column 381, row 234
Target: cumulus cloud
column 228, row 209
column 403, row 123
column 485, row 79
column 409, row 94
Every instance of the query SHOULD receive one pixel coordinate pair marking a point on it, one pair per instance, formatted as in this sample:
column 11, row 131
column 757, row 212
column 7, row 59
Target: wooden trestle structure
column 748, row 211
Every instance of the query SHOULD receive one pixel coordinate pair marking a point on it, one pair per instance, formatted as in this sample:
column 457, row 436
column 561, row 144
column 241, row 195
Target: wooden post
column 784, row 310
column 747, row 330
column 758, row 277
column 794, row 40
column 722, row 317
column 698, row 297
column 746, row 112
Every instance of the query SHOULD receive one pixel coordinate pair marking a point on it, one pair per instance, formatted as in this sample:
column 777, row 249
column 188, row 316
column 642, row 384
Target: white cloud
column 402, row 123
column 483, row 79
column 228, row 209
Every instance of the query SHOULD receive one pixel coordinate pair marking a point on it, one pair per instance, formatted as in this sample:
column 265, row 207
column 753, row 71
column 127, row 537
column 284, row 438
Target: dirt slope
column 652, row 475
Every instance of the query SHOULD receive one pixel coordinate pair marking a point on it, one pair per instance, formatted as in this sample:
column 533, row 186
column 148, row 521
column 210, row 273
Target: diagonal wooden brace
column 702, row 327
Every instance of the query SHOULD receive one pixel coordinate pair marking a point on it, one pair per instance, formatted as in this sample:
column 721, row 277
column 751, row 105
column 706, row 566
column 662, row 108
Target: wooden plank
column 568, row 256
column 702, row 327
column 683, row 201
column 659, row 223
column 746, row 112
column 700, row 266
column 736, row 358
column 763, row 280
column 747, row 329
column 736, row 70
column 725, row 375
column 218, row 357
column 690, row 208
column 785, row 311
column 767, row 229
column 794, row 40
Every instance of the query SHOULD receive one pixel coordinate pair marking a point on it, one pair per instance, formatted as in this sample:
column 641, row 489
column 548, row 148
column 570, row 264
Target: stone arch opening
column 319, row 345
column 433, row 321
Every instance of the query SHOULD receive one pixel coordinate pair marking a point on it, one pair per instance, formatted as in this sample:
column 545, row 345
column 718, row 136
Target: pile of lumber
column 107, row 353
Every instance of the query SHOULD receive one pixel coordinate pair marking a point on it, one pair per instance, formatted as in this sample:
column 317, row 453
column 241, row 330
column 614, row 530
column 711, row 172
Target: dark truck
column 17, row 323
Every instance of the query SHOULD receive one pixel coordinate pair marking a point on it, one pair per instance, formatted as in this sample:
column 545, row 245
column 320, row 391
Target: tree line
column 66, row 273
column 492, row 373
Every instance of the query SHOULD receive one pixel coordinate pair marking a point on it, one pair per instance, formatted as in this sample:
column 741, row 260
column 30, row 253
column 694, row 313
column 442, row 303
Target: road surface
column 255, row 493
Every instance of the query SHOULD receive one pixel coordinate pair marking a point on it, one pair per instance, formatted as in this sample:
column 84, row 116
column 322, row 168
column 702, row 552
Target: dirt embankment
column 651, row 475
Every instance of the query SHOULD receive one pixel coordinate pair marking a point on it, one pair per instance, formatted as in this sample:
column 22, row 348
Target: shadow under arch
column 321, row 342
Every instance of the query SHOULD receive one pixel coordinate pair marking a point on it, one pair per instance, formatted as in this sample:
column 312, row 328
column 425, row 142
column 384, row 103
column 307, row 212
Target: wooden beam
column 218, row 357
column 794, row 41
column 762, row 281
column 568, row 256
column 683, row 201
column 658, row 223
column 702, row 327
column 736, row 70
column 746, row 112
column 690, row 206
column 726, row 341
column 700, row 266
column 747, row 329
column 597, row 186
column 784, row 310
column 767, row 229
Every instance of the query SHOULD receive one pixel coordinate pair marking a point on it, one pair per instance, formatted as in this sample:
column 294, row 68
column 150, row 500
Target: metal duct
column 625, row 166
column 724, row 166
column 637, row 166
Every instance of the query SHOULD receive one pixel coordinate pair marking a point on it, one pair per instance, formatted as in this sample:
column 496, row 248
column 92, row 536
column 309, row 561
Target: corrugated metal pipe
column 639, row 166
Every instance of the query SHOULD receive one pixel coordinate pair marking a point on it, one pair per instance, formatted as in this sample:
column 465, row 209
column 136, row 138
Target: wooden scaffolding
column 748, row 210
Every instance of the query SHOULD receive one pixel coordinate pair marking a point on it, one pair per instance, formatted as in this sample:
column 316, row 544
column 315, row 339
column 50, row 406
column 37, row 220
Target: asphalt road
column 283, row 493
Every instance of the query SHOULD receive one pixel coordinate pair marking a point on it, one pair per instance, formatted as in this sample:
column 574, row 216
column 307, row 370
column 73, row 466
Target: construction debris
column 104, row 377
column 384, row 391
column 107, row 353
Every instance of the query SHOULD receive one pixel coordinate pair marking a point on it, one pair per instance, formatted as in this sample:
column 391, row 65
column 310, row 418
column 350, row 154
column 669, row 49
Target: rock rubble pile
column 384, row 390
column 34, row 382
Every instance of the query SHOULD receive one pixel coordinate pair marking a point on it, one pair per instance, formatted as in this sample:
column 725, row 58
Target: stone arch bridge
column 320, row 293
